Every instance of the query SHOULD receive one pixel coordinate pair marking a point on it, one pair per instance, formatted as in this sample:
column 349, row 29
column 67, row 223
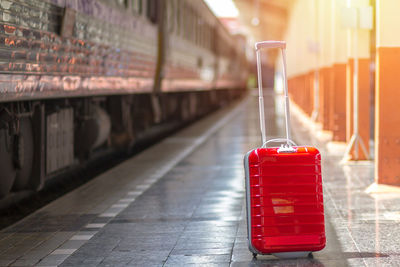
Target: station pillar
column 387, row 108
column 359, row 44
column 334, row 56
column 325, row 96
column 364, row 101
column 323, row 22
column 339, row 102
column 338, row 70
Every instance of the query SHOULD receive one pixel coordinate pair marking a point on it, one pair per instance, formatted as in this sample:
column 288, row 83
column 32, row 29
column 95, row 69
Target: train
column 83, row 77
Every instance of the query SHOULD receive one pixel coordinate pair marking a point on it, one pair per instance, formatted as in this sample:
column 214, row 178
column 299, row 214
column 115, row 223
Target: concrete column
column 364, row 90
column 324, row 22
column 325, row 96
column 364, row 100
column 302, row 51
column 387, row 118
column 310, row 86
column 339, row 51
column 339, row 102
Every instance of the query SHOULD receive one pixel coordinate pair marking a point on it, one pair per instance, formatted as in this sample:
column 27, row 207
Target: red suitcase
column 284, row 196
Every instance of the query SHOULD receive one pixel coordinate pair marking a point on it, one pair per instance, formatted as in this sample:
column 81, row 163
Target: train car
column 82, row 76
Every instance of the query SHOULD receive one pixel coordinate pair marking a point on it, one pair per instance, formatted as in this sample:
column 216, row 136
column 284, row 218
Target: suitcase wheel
column 292, row 255
column 254, row 255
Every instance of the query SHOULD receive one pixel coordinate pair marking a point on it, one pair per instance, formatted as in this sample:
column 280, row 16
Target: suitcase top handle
column 270, row 44
column 282, row 46
column 284, row 148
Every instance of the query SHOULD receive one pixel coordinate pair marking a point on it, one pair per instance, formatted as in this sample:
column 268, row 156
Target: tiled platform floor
column 181, row 203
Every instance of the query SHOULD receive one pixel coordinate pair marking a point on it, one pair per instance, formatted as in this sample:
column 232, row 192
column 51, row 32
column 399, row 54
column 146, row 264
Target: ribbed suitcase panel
column 286, row 200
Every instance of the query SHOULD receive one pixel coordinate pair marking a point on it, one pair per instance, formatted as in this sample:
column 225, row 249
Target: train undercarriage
column 41, row 139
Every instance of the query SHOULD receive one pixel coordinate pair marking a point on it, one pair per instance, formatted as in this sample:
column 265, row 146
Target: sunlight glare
column 223, row 8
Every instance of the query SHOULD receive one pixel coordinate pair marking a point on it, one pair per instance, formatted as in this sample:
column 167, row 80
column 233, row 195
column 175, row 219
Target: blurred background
column 334, row 47
column 88, row 84
column 80, row 78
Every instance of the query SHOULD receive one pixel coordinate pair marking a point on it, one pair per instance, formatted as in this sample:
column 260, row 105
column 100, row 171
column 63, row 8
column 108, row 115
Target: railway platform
column 181, row 203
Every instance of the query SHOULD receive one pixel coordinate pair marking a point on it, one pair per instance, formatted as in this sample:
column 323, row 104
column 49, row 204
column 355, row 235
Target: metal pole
column 287, row 110
column 355, row 93
column 261, row 98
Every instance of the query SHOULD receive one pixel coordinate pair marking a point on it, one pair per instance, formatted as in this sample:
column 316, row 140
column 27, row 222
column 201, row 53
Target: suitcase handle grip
column 270, row 44
column 282, row 46
column 278, row 140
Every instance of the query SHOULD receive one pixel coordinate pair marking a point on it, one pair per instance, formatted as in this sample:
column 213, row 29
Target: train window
column 196, row 27
column 213, row 39
column 183, row 21
column 178, row 18
column 201, row 30
column 209, row 37
column 197, row 32
column 186, row 23
column 193, row 20
column 189, row 23
column 187, row 17
column 205, row 35
column 152, row 10
column 137, row 6
column 122, row 3
column 171, row 15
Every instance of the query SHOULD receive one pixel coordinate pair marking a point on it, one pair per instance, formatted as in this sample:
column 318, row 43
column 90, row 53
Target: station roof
column 258, row 20
column 264, row 19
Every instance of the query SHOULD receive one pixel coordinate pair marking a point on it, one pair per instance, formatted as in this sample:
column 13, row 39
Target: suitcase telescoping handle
column 282, row 46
